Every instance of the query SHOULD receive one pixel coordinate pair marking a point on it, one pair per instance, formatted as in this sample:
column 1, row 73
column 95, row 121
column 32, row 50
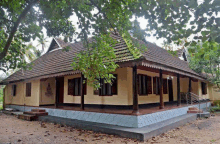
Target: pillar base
column 161, row 107
column 136, row 112
column 178, row 105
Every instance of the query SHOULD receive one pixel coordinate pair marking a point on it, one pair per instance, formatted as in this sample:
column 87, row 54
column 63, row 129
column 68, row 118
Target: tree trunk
column 14, row 29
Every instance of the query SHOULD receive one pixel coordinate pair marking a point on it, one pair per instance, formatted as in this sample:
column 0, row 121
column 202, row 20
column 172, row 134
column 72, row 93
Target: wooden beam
column 178, row 90
column 82, row 92
column 135, row 91
column 161, row 90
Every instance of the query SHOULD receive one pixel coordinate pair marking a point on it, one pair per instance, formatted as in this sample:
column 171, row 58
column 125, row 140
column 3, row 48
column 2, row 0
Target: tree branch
column 14, row 29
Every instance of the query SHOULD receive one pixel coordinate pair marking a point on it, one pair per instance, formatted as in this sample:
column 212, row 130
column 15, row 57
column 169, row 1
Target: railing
column 191, row 99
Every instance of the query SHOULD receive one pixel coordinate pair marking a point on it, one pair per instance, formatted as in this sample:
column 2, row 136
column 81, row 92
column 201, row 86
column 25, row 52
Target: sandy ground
column 13, row 130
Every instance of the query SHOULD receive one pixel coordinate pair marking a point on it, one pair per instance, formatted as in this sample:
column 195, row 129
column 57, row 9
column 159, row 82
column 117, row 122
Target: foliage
column 171, row 47
column 205, row 58
column 215, row 109
column 31, row 53
column 94, row 67
column 24, row 20
column 216, row 103
column 42, row 40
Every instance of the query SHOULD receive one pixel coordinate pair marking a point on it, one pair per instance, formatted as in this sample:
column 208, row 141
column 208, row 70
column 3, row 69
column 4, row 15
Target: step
column 38, row 110
column 142, row 133
column 36, row 113
column 203, row 115
column 7, row 112
column 27, row 117
column 193, row 108
column 194, row 111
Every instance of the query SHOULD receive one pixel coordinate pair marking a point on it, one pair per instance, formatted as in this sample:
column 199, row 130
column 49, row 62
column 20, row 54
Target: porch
column 123, row 110
column 118, row 117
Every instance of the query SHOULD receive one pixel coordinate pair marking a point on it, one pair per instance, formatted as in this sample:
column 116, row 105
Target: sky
column 74, row 20
column 142, row 21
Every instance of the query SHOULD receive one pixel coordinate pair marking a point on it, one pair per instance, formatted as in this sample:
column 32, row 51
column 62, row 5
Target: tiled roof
column 58, row 61
column 160, row 56
column 60, row 41
column 180, row 52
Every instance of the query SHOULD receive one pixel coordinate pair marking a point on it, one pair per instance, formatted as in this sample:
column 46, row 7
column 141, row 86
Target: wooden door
column 60, row 89
column 170, row 86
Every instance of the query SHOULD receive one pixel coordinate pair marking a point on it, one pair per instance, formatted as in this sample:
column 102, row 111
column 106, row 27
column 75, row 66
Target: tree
column 42, row 41
column 31, row 53
column 169, row 19
column 205, row 58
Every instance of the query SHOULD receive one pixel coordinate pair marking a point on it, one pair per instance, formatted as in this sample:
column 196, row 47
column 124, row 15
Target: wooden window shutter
column 85, row 87
column 155, row 85
column 158, row 85
column 149, row 85
column 144, row 84
column 101, row 86
column 115, row 85
column 96, row 91
column 13, row 90
column 108, row 89
column 165, row 91
column 204, row 88
column 71, row 86
column 76, row 88
column 140, row 81
column 28, row 89
column 79, row 86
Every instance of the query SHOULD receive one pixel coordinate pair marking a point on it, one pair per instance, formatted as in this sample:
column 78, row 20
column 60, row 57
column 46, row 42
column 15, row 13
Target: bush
column 216, row 102
column 215, row 109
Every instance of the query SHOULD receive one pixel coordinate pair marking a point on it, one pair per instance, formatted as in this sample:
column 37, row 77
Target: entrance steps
column 200, row 113
column 194, row 110
column 32, row 115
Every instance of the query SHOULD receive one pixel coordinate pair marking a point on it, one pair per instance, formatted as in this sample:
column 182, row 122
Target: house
column 156, row 82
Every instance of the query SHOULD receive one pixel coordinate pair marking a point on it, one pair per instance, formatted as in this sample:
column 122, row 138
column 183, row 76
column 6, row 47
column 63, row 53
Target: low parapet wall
column 115, row 119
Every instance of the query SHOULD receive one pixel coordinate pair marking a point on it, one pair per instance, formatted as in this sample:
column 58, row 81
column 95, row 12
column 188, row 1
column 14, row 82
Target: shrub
column 216, row 102
column 214, row 109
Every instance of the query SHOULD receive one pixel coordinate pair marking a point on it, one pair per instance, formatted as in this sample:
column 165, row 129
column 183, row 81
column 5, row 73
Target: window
column 74, row 87
column 13, row 90
column 107, row 89
column 28, row 89
column 156, row 85
column 165, row 86
column 144, row 85
column 204, row 88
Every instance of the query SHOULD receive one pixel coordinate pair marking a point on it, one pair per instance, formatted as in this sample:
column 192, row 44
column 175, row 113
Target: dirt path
column 13, row 130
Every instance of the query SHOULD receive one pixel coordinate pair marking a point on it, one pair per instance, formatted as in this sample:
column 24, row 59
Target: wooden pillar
column 178, row 90
column 190, row 89
column 82, row 92
column 4, row 98
column 135, row 91
column 161, row 90
column 57, row 92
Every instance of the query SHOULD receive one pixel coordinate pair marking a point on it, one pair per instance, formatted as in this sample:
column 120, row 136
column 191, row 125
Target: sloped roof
column 56, row 43
column 180, row 52
column 58, row 62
